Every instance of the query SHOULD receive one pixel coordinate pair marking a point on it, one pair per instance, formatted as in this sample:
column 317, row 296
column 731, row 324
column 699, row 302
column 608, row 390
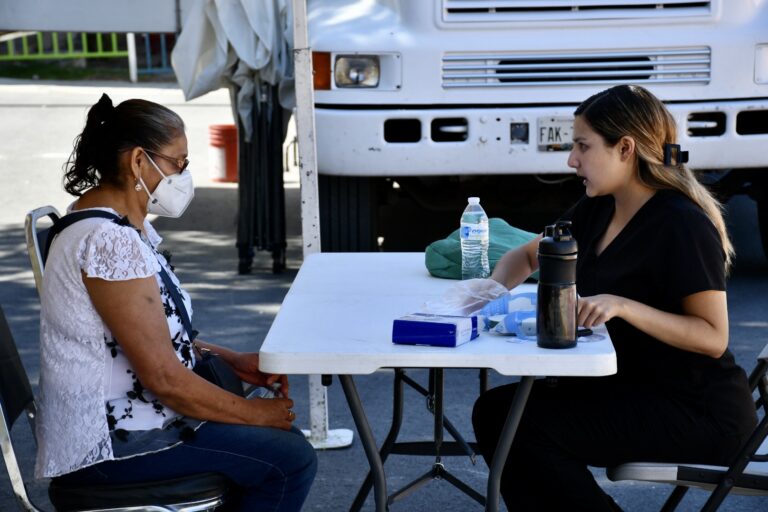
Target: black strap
column 69, row 219
column 182, row 309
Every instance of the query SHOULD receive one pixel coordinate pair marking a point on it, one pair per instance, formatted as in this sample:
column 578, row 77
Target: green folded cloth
column 443, row 257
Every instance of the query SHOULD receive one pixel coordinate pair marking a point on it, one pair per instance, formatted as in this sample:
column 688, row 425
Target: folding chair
column 747, row 474
column 36, row 239
column 191, row 494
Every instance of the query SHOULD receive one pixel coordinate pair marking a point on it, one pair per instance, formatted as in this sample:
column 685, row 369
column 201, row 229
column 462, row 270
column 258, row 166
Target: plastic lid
column 558, row 240
column 474, row 200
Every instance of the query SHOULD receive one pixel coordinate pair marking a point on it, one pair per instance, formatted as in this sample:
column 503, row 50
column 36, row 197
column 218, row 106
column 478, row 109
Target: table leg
column 505, row 442
column 368, row 441
column 436, row 396
column 437, row 388
column 389, row 441
column 483, row 380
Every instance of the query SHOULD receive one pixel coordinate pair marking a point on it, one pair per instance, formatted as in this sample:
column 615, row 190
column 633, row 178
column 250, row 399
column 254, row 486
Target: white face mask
column 172, row 195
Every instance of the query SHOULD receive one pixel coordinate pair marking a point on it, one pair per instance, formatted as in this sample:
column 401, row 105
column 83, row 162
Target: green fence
column 69, row 45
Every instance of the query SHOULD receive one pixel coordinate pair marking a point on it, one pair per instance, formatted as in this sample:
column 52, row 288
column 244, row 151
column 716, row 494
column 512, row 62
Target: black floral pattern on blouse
column 183, row 347
column 167, row 255
column 137, row 393
column 168, row 305
column 112, row 419
column 112, row 346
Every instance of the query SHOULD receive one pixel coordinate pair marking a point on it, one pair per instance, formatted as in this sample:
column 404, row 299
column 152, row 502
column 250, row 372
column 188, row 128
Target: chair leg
column 674, row 498
column 717, row 496
column 737, row 467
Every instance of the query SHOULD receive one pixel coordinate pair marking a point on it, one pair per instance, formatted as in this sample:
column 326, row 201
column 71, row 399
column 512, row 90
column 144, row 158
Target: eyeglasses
column 180, row 164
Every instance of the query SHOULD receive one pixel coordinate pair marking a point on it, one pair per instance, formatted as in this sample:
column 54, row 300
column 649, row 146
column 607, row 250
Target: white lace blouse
column 89, row 396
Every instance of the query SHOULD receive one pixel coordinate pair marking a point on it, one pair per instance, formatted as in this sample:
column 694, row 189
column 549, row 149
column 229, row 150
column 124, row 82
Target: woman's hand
column 246, row 366
column 598, row 309
column 272, row 412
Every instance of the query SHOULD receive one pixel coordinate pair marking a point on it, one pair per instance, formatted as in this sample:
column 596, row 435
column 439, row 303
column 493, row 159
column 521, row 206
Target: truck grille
column 665, row 66
column 468, row 11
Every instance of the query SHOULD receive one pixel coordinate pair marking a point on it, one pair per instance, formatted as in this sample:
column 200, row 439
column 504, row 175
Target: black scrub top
column 668, row 250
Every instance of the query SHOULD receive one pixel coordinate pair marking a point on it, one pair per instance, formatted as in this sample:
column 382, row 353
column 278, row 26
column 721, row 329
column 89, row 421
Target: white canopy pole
column 319, row 435
column 133, row 72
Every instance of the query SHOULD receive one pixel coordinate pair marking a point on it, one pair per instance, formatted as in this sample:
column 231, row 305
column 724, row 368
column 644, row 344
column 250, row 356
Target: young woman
column 119, row 401
column 653, row 259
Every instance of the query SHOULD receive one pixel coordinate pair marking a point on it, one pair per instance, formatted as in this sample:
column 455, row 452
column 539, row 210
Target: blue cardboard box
column 435, row 330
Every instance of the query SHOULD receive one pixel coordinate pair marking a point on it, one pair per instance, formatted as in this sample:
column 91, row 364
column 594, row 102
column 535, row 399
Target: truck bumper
column 505, row 140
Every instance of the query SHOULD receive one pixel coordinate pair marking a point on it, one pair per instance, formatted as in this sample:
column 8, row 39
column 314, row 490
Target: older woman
column 119, row 402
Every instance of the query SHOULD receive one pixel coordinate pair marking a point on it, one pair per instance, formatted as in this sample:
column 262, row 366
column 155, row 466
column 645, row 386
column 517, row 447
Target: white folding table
column 337, row 320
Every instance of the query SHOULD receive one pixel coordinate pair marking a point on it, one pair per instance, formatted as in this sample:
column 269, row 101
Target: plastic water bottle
column 474, row 235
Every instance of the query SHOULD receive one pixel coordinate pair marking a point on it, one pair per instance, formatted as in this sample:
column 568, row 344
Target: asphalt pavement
column 40, row 121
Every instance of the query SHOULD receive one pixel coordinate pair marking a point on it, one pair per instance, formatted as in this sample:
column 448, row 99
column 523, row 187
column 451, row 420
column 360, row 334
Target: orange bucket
column 222, row 153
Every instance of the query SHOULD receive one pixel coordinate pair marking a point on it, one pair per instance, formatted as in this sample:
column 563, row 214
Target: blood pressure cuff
column 443, row 257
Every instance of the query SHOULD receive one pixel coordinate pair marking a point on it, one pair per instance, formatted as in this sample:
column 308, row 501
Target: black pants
column 575, row 423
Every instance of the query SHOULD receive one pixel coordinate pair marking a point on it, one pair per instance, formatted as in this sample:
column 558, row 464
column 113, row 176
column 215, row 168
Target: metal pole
column 130, row 39
column 319, row 435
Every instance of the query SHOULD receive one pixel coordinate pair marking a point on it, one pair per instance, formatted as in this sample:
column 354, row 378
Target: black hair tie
column 105, row 108
column 674, row 155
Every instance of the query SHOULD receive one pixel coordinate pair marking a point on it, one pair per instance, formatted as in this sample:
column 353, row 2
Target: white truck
column 422, row 103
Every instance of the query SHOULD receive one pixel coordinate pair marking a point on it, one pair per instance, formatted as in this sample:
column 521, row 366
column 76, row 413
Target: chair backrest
column 15, row 397
column 36, row 239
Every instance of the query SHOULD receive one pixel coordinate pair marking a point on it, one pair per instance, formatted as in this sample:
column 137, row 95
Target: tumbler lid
column 558, row 240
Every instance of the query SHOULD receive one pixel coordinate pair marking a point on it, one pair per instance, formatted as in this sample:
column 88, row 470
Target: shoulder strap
column 176, row 296
column 69, row 219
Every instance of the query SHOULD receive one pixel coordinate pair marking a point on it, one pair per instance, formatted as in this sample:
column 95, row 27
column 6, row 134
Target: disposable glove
column 465, row 298
column 508, row 303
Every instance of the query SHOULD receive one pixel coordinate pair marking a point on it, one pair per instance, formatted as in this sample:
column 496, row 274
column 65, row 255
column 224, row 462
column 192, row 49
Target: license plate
column 555, row 133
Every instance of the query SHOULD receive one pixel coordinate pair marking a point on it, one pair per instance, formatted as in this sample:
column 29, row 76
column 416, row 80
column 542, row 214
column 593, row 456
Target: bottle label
column 473, row 231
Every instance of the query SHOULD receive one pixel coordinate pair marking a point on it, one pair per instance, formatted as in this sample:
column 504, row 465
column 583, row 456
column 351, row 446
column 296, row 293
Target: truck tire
column 348, row 213
column 762, row 222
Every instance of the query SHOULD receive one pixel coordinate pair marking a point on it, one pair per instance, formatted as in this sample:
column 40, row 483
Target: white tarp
column 236, row 44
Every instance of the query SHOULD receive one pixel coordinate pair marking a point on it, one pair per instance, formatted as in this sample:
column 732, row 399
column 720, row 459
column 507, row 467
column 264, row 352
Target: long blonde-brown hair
column 630, row 110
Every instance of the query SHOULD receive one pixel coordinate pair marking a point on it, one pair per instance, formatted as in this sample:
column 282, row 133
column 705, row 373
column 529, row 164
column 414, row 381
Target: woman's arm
column 246, row 366
column 133, row 311
column 517, row 264
column 702, row 328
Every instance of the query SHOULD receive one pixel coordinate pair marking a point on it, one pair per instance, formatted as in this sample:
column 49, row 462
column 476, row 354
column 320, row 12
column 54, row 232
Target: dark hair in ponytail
column 109, row 131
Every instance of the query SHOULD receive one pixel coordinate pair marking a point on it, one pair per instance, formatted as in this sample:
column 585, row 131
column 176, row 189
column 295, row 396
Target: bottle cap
column 558, row 240
column 474, row 200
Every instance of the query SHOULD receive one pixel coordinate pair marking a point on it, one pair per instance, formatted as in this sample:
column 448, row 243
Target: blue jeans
column 272, row 468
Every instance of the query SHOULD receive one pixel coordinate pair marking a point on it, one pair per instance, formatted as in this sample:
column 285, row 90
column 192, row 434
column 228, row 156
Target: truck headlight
column 356, row 71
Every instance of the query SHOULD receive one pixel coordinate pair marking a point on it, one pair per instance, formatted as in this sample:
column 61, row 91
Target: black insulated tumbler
column 556, row 302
